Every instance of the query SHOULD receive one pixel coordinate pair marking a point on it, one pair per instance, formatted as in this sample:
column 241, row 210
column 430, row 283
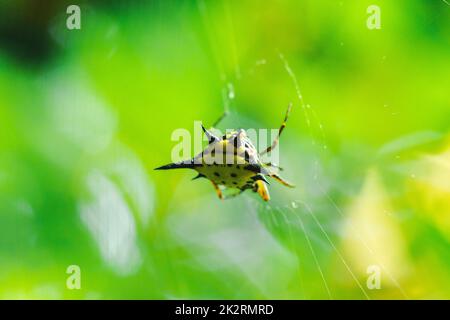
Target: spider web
column 309, row 225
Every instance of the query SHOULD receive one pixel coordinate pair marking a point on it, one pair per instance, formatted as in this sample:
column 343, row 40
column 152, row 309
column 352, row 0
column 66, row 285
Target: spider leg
column 280, row 130
column 218, row 191
column 273, row 165
column 224, row 114
column 261, row 188
column 281, row 180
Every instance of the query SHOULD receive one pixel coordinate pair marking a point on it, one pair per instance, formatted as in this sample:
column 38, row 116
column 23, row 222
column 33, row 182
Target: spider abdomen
column 228, row 175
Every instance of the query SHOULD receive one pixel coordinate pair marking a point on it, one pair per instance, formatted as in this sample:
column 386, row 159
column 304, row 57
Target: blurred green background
column 85, row 116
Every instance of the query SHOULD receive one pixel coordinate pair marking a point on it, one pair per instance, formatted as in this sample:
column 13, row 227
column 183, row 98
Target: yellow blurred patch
column 431, row 189
column 373, row 236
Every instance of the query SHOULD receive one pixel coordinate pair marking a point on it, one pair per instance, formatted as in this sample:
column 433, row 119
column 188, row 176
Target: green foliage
column 81, row 134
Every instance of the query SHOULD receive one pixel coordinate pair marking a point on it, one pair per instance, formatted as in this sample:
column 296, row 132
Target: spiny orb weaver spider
column 232, row 161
